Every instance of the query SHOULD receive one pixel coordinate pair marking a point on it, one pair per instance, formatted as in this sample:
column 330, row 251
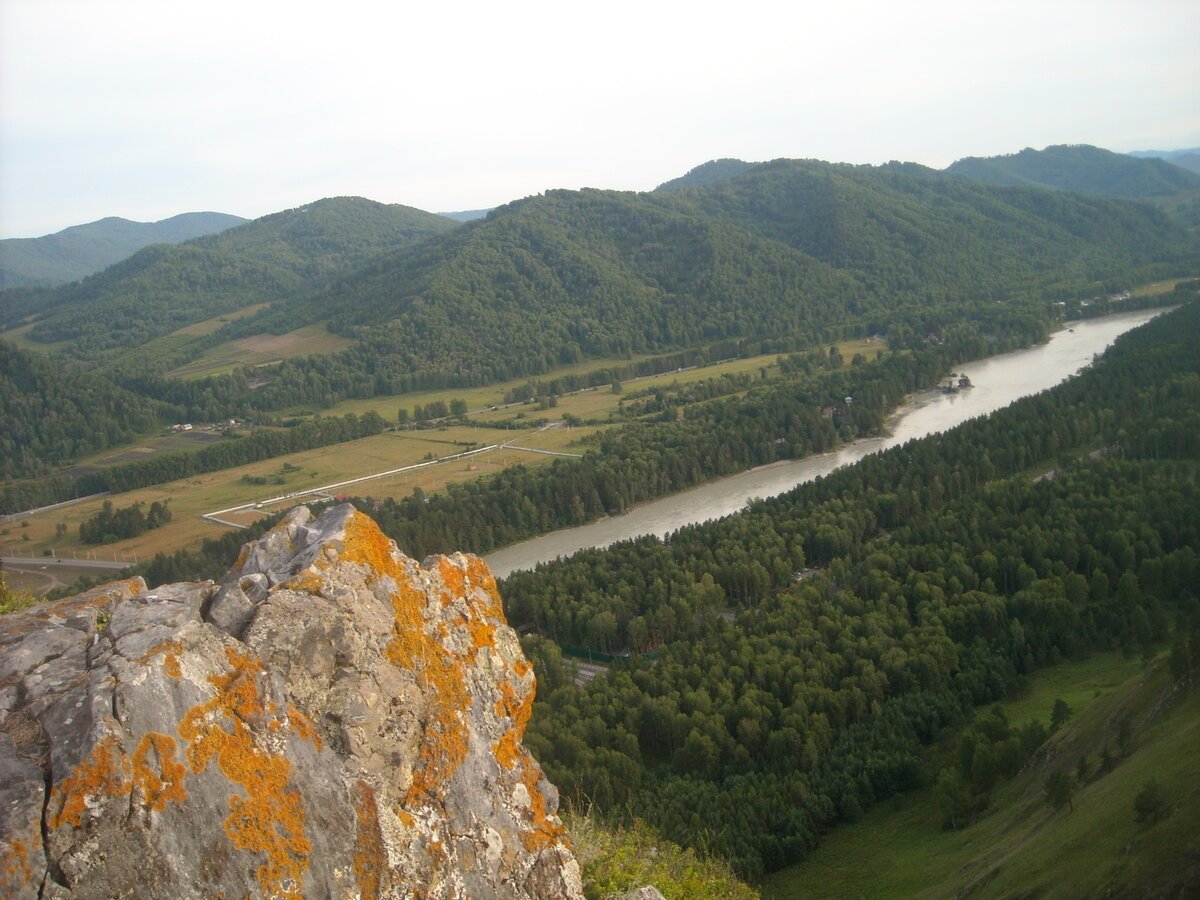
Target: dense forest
column 55, row 412
column 945, row 573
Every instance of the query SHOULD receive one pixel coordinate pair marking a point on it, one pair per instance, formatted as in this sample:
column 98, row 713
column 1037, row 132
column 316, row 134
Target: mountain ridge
column 81, row 250
column 1081, row 168
column 164, row 287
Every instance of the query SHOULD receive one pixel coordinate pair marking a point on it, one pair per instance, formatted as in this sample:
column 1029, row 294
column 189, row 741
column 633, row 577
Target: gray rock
column 333, row 719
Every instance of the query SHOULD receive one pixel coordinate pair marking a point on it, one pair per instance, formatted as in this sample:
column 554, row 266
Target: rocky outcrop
column 330, row 720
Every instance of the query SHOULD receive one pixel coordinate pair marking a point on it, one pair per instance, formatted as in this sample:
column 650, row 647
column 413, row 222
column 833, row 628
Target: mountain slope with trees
column 81, row 250
column 1083, row 169
column 55, row 412
column 790, row 253
column 162, row 288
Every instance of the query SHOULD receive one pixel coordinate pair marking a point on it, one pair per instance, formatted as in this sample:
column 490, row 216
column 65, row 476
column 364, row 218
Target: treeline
column 681, row 446
column 943, row 578
column 232, row 451
column 111, row 525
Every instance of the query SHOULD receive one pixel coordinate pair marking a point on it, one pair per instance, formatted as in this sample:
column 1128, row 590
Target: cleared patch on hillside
column 262, row 349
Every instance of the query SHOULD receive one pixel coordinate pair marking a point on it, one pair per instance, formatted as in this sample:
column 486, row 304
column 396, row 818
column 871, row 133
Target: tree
column 1060, row 789
column 1150, row 805
column 1060, row 714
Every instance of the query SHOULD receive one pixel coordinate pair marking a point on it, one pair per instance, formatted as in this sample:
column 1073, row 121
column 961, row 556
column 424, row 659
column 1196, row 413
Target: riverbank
column 998, row 381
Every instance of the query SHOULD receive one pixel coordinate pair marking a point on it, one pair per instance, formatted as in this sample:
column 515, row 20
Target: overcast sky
column 148, row 109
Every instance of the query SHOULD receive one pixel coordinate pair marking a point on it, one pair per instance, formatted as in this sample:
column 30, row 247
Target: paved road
column 29, row 562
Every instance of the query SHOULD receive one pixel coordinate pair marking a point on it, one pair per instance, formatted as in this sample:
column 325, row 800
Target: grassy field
column 17, row 336
column 1021, row 846
column 259, row 350
column 150, row 446
column 191, row 497
column 1159, row 287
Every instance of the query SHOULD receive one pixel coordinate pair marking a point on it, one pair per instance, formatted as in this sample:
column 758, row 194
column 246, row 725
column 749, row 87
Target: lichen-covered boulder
column 331, row 720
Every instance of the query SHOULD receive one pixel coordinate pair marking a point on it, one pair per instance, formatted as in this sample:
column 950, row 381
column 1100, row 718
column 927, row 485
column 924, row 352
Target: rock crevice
column 331, row 719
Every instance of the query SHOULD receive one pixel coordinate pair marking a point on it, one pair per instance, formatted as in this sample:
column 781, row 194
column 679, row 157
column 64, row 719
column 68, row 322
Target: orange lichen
column 406, row 818
column 303, row 726
column 170, row 651
column 269, row 819
column 482, row 634
column 307, row 580
column 507, row 749
column 544, row 831
column 243, row 555
column 453, row 577
column 104, row 772
column 370, row 857
column 165, row 785
column 16, row 875
column 522, row 667
column 413, row 649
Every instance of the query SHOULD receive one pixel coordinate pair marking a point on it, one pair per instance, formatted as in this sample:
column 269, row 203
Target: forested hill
column 80, row 250
column 789, row 251
column 712, row 172
column 1186, row 159
column 1083, row 169
column 903, row 229
column 161, row 288
column 54, row 412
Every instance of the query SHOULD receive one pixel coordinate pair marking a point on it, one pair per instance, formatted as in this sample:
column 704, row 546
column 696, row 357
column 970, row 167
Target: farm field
column 192, row 497
column 598, row 400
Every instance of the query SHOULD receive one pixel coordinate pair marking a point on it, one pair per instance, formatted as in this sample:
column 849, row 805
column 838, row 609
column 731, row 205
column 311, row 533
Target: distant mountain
column 162, row 288
column 712, row 172
column 1083, row 169
column 466, row 215
column 1185, row 159
column 80, row 250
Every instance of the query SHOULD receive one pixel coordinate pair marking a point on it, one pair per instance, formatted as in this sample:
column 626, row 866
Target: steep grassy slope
column 1024, row 847
column 80, row 250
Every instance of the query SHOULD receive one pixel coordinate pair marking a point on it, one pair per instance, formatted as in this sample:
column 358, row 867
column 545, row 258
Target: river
column 998, row 381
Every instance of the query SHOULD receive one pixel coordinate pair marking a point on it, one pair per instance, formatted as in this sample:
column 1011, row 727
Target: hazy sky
column 147, row 109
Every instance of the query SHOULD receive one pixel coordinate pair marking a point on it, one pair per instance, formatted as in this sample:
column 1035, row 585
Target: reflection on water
column 998, row 380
